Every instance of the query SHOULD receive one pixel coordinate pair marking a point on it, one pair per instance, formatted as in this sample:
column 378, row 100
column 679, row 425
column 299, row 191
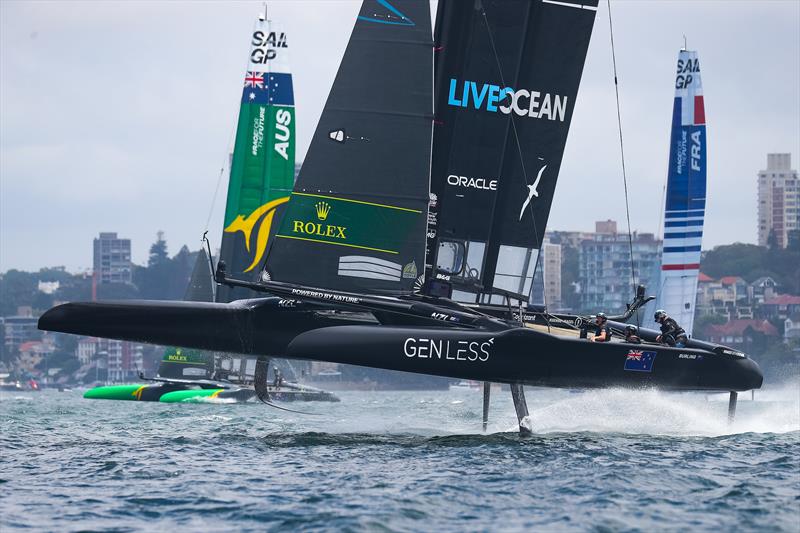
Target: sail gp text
column 451, row 350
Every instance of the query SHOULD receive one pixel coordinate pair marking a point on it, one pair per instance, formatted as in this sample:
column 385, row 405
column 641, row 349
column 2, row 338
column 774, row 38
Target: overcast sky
column 117, row 116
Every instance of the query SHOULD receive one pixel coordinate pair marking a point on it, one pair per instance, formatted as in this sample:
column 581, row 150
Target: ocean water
column 610, row 460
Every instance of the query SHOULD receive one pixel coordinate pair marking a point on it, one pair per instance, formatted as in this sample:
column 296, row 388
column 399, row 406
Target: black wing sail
column 201, row 287
column 507, row 77
column 356, row 219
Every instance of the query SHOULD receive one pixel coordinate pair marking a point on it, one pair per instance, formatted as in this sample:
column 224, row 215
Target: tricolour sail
column 262, row 166
column 507, row 77
column 356, row 219
column 686, row 195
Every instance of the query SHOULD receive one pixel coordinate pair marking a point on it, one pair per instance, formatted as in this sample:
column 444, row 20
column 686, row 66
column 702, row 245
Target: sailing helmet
column 602, row 316
column 659, row 315
column 631, row 329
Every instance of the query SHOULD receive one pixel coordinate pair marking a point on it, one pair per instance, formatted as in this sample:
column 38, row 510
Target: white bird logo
column 532, row 192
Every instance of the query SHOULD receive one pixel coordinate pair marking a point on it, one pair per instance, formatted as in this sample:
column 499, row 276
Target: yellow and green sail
column 262, row 165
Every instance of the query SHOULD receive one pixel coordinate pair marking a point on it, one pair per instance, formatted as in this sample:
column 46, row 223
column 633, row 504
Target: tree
column 158, row 251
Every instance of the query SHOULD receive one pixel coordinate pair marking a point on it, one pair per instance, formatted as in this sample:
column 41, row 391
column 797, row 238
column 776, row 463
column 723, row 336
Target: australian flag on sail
column 640, row 361
column 271, row 88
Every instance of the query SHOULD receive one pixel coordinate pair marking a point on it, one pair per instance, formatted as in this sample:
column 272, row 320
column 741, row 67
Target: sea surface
column 611, row 460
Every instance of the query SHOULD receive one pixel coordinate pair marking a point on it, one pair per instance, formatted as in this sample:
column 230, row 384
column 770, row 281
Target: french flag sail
column 686, row 195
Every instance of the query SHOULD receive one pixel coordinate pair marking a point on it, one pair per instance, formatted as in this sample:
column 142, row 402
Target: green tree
column 158, row 251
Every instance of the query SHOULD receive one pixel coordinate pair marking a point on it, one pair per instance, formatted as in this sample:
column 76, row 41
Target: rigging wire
column 521, row 162
column 621, row 146
column 229, row 145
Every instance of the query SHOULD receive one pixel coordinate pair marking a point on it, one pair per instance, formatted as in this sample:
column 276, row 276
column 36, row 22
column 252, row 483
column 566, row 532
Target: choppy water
column 604, row 460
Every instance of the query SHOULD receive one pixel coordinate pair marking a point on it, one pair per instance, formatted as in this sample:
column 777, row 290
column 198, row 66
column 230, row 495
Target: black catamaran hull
column 284, row 328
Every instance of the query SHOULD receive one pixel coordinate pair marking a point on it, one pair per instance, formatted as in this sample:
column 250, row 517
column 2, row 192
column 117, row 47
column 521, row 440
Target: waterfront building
column 605, row 267
column 18, row 330
column 778, row 201
column 547, row 281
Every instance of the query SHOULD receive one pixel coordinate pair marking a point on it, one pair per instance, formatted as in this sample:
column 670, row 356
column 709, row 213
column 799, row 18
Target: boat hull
column 283, row 328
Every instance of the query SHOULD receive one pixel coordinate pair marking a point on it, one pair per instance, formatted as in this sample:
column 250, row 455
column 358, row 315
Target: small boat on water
column 464, row 385
column 192, row 376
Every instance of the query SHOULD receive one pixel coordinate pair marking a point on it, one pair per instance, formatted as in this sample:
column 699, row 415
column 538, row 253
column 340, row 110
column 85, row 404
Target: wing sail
column 262, row 164
column 686, row 195
column 507, row 79
column 356, row 219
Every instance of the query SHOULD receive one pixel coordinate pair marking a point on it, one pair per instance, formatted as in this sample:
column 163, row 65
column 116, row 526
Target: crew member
column 671, row 333
column 602, row 333
column 631, row 334
column 278, row 379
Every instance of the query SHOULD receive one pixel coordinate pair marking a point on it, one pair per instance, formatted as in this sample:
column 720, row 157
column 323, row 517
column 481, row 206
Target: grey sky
column 117, row 116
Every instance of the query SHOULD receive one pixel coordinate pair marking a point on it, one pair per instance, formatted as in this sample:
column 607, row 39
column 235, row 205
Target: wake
column 664, row 413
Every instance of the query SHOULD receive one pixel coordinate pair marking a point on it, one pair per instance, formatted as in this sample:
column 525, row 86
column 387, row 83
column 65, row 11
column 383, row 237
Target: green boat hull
column 191, row 396
column 140, row 393
column 116, row 392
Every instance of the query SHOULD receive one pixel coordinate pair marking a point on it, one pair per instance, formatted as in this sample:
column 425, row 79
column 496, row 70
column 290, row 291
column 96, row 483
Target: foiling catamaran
column 410, row 239
column 261, row 178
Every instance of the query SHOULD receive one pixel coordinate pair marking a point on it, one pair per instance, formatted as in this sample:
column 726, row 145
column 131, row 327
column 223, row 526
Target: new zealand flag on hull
column 640, row 361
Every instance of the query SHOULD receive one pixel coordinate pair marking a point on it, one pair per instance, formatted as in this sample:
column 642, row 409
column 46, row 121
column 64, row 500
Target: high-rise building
column 112, row 259
column 605, row 267
column 547, row 279
column 778, row 201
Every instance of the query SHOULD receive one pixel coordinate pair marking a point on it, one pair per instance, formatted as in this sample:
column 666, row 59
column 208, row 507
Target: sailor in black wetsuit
column 631, row 336
column 602, row 332
column 671, row 333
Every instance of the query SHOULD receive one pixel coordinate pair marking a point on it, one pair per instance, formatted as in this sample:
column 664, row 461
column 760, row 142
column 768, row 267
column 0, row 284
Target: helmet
column 659, row 315
column 601, row 315
column 631, row 329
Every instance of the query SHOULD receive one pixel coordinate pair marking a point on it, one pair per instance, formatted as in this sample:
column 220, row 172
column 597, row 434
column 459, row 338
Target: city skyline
column 132, row 134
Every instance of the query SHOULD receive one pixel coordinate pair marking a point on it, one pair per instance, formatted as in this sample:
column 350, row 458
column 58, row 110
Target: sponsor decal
column 472, row 183
column 337, row 135
column 410, row 270
column 523, row 102
column 258, row 132
column 261, row 217
column 640, row 361
column 330, row 231
column 532, row 191
column 265, row 45
column 450, row 349
column 283, row 302
column 330, row 296
column 690, row 356
column 349, row 223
